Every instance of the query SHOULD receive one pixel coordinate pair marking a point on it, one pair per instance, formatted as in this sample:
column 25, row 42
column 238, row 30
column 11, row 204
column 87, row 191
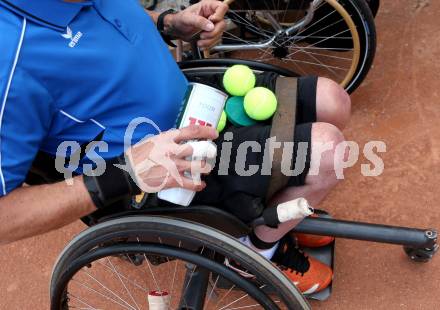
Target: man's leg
column 317, row 186
column 322, row 100
column 333, row 104
column 326, row 102
column 308, row 273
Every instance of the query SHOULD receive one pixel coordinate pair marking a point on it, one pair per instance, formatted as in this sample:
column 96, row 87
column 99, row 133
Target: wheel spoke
column 224, row 296
column 134, row 283
column 240, row 298
column 212, row 290
column 123, row 283
column 323, row 55
column 243, row 21
column 330, row 68
column 234, row 301
column 126, row 306
column 312, row 60
column 246, row 307
column 100, row 283
column 151, row 271
column 314, row 44
column 174, row 276
column 98, row 279
column 314, row 23
column 244, row 41
column 314, row 64
column 323, row 48
column 82, row 302
column 302, row 38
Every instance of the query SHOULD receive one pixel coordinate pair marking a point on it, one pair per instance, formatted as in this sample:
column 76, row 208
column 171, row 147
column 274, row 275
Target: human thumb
column 202, row 23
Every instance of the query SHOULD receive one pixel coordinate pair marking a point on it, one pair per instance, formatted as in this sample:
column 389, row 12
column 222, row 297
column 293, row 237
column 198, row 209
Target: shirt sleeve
column 24, row 122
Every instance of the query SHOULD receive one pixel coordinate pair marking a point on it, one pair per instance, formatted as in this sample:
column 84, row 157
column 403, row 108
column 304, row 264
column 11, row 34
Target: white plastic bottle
column 202, row 105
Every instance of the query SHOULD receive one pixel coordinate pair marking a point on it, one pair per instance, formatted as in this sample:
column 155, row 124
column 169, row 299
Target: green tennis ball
column 238, row 80
column 260, row 103
column 222, row 122
column 235, row 112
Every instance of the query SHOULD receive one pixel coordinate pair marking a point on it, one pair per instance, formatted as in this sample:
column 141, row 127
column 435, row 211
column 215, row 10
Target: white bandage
column 296, row 209
column 203, row 149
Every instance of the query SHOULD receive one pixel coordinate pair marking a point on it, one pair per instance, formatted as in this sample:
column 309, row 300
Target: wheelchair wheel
column 330, row 38
column 374, row 6
column 145, row 262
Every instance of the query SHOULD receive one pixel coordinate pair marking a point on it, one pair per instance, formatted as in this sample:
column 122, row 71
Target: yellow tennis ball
column 238, row 80
column 260, row 103
column 222, row 122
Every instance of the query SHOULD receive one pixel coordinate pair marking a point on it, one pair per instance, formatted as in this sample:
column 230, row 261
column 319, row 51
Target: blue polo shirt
column 73, row 71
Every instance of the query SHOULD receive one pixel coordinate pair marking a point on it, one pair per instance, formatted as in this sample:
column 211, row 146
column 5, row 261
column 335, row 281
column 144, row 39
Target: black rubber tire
column 367, row 33
column 145, row 227
column 374, row 6
column 173, row 252
column 363, row 19
column 224, row 63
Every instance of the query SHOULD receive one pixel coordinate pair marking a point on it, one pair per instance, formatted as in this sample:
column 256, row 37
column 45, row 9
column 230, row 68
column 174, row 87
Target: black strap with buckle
column 161, row 27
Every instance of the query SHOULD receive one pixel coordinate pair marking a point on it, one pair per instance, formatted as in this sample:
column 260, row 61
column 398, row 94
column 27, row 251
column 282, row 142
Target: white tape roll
column 158, row 300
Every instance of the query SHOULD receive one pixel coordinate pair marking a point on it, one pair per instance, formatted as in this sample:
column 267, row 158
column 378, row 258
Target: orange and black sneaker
column 311, row 241
column 307, row 273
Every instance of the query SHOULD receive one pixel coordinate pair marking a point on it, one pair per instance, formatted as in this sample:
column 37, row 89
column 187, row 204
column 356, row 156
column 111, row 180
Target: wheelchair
column 156, row 256
column 329, row 38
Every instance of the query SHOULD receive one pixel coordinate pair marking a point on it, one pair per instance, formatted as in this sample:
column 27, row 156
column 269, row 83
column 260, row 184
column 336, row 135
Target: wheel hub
column 282, row 43
column 280, row 52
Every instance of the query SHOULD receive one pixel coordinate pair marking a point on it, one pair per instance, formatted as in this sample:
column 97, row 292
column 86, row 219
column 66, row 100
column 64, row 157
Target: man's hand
column 203, row 20
column 159, row 162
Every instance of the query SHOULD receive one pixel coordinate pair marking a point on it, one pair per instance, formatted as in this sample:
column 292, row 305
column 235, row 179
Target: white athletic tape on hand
column 203, row 149
column 296, row 209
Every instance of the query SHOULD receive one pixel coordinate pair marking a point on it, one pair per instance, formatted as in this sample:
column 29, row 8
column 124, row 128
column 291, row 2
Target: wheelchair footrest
column 325, row 254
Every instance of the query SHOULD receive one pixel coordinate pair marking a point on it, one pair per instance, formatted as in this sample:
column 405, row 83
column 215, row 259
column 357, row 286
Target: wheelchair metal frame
column 419, row 244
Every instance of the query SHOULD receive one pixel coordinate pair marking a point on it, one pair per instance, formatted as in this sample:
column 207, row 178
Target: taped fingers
column 197, row 150
column 193, row 166
column 203, row 149
column 186, row 182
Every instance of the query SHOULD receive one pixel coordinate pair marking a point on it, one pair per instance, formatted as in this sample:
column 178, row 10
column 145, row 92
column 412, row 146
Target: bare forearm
column 33, row 210
column 168, row 28
column 153, row 15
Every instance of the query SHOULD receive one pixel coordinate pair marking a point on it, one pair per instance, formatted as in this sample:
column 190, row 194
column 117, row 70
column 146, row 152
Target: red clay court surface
column 399, row 103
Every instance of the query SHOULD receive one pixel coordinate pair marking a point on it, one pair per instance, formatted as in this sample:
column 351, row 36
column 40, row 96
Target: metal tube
column 242, row 47
column 412, row 237
column 195, row 286
column 305, row 21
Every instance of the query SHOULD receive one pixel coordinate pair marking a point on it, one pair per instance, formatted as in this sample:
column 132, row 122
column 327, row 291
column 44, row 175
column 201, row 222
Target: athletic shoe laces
column 291, row 258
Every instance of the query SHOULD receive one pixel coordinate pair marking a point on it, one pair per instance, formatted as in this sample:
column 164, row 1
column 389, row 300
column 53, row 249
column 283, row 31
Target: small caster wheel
column 420, row 255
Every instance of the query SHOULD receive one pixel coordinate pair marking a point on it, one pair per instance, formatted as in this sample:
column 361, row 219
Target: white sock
column 268, row 253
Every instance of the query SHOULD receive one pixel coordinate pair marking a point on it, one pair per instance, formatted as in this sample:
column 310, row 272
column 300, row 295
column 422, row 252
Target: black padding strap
column 270, row 216
column 161, row 27
column 260, row 244
column 283, row 129
column 113, row 185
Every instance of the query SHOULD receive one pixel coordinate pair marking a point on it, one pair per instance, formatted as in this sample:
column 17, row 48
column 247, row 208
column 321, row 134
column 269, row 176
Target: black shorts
column 221, row 186
column 305, row 115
